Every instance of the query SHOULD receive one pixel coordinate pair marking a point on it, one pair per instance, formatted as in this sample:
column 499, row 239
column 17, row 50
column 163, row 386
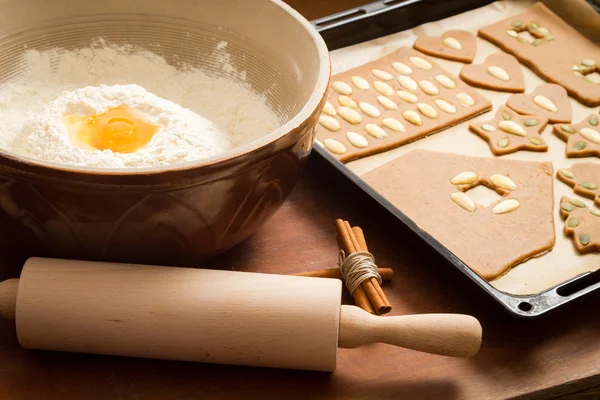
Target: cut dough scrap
column 455, row 45
column 578, row 141
column 419, row 184
column 584, row 178
column 501, row 141
column 499, row 71
column 547, row 100
column 556, row 49
column 582, row 224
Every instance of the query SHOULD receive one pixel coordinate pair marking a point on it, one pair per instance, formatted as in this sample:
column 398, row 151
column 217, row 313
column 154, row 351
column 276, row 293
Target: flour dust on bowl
column 150, row 132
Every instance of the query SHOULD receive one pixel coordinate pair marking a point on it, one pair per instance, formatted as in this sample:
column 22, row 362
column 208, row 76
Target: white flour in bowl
column 221, row 113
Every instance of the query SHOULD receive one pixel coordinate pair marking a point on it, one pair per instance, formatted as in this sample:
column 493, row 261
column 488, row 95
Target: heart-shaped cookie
column 548, row 100
column 499, row 71
column 455, row 45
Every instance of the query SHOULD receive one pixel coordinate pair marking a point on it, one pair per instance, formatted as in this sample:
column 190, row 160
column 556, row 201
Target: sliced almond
column 329, row 109
column 590, row 134
column 341, row 87
column 488, row 128
column 463, row 201
column 349, row 115
column 445, row 106
column 420, row 62
column 387, row 103
column 401, row 68
column 407, row 82
column 357, row 140
column 369, row 109
column 452, row 43
column 375, row 131
column 429, row 88
column 512, row 33
column 545, row 103
column 361, row 83
column 383, row 88
column 499, row 73
column 334, row 146
column 347, row 101
column 512, row 127
column 445, row 81
column 412, row 117
column 503, row 181
column 465, row 178
column 330, row 123
column 464, row 99
column 427, row 110
column 381, row 74
column 506, row 206
column 393, row 124
column 407, row 96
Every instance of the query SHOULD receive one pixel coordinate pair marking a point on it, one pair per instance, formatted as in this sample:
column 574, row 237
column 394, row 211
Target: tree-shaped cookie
column 581, row 224
column 583, row 138
column 455, row 45
column 584, row 178
column 547, row 100
column 499, row 71
column 509, row 132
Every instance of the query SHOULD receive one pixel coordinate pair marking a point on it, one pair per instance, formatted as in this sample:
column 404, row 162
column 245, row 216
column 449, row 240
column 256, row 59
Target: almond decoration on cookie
column 547, row 100
column 455, row 45
column 583, row 138
column 581, row 224
column 509, row 132
column 500, row 71
column 392, row 101
column 584, row 178
column 538, row 36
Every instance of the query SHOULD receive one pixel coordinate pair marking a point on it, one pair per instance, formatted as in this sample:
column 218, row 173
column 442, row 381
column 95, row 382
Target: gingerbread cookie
column 583, row 138
column 386, row 103
column 499, row 71
column 433, row 189
column 547, row 100
column 454, row 45
column 552, row 48
column 584, row 178
column 581, row 224
column 509, row 132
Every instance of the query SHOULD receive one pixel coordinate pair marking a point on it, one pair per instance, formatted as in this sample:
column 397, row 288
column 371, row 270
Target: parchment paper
column 563, row 262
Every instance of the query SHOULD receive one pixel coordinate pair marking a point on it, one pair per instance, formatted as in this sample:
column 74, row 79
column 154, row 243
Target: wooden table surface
column 558, row 355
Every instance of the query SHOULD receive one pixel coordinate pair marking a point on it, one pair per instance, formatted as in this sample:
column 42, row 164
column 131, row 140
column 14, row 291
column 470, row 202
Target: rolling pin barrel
column 179, row 313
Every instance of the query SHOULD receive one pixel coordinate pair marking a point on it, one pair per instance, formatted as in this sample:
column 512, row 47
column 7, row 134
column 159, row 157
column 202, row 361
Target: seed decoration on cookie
column 347, row 101
column 334, row 146
column 357, row 140
column 329, row 109
column 463, row 201
column 429, row 87
column 369, row 109
column 584, row 239
column 375, row 131
column 349, row 115
column 383, row 88
column 381, row 74
column 545, row 103
column 408, row 83
column 506, row 206
column 452, row 43
column 590, row 134
column 402, row 68
column 420, row 62
column 503, row 143
column 567, row 173
column 445, row 106
column 503, row 181
column 573, row 222
column 588, row 185
column 341, row 87
column 577, row 203
column 464, row 99
column 465, row 178
column 498, row 72
column 387, row 103
column 427, row 110
column 330, row 123
column 393, row 124
column 445, row 81
column 407, row 96
column 412, row 117
column 360, row 83
column 531, row 122
column 581, row 225
column 512, row 127
column 488, row 127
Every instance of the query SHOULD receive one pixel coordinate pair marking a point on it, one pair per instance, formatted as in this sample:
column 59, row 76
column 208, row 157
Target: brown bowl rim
column 290, row 126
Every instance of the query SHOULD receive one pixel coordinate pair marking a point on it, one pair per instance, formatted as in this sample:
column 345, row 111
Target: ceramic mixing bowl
column 163, row 215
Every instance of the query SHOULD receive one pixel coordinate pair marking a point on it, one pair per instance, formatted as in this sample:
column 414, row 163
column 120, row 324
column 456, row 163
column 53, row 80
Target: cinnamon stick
column 335, row 273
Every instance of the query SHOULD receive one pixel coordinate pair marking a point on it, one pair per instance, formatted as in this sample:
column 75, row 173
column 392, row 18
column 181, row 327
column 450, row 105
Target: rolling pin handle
column 8, row 298
column 454, row 335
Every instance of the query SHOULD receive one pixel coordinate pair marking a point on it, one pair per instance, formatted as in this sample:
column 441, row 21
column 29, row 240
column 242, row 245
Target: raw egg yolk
column 120, row 129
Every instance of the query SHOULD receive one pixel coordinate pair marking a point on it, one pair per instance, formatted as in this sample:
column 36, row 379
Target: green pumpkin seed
column 537, row 42
column 588, row 62
column 593, row 121
column 534, row 25
column 567, row 207
column 584, row 239
column 531, row 122
column 595, row 213
column 567, row 173
column 549, row 38
column 573, row 222
column 517, row 24
column 502, row 143
column 577, row 203
column 535, row 141
column 567, row 128
column 506, row 116
column 588, row 185
column 579, row 146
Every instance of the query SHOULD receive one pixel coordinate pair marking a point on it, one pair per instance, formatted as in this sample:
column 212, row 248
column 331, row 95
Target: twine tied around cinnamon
column 357, row 267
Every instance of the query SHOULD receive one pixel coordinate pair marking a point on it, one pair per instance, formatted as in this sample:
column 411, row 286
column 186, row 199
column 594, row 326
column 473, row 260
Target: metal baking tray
column 383, row 18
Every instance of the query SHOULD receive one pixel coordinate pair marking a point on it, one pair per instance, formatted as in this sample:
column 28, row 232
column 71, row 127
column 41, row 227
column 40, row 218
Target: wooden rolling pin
column 210, row 316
